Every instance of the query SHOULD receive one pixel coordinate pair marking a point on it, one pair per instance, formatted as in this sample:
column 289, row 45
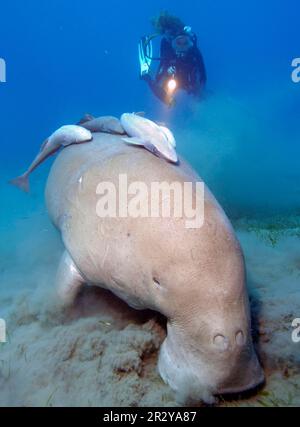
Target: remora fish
column 62, row 137
column 107, row 124
column 157, row 139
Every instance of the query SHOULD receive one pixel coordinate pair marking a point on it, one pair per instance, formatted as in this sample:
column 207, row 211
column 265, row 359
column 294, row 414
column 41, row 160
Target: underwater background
column 65, row 58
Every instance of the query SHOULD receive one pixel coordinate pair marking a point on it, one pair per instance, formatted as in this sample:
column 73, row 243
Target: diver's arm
column 157, row 88
column 159, row 92
column 160, row 71
column 164, row 59
column 155, row 83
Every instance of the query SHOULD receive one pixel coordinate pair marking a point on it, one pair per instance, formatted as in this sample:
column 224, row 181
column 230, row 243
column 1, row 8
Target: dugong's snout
column 245, row 374
column 225, row 365
column 236, row 362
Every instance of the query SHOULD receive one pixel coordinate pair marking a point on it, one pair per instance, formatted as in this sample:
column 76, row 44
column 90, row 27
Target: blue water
column 65, row 58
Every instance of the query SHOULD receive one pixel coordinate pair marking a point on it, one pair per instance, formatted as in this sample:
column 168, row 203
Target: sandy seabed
column 103, row 353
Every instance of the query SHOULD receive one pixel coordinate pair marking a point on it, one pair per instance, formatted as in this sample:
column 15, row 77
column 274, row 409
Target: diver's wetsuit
column 190, row 69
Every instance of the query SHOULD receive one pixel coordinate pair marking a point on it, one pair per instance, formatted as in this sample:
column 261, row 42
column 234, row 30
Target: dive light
column 172, row 85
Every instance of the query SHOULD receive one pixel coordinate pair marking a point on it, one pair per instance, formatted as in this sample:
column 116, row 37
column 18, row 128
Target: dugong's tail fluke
column 21, row 182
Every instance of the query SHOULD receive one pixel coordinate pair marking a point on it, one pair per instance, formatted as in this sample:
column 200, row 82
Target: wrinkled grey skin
column 195, row 277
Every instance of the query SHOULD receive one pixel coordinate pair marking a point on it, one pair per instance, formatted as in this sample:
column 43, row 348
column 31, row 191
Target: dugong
column 195, row 277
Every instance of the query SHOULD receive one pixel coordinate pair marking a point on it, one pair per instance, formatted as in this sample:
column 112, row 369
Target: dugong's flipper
column 68, row 280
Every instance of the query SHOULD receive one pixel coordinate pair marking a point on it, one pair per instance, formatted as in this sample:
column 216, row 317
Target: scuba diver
column 181, row 64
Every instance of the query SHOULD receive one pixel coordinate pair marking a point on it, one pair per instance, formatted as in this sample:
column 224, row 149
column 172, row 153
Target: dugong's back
column 195, row 277
column 92, row 240
column 106, row 156
column 71, row 196
column 64, row 182
column 108, row 248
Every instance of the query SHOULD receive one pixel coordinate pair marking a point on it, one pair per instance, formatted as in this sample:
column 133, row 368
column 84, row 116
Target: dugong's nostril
column 221, row 342
column 239, row 338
